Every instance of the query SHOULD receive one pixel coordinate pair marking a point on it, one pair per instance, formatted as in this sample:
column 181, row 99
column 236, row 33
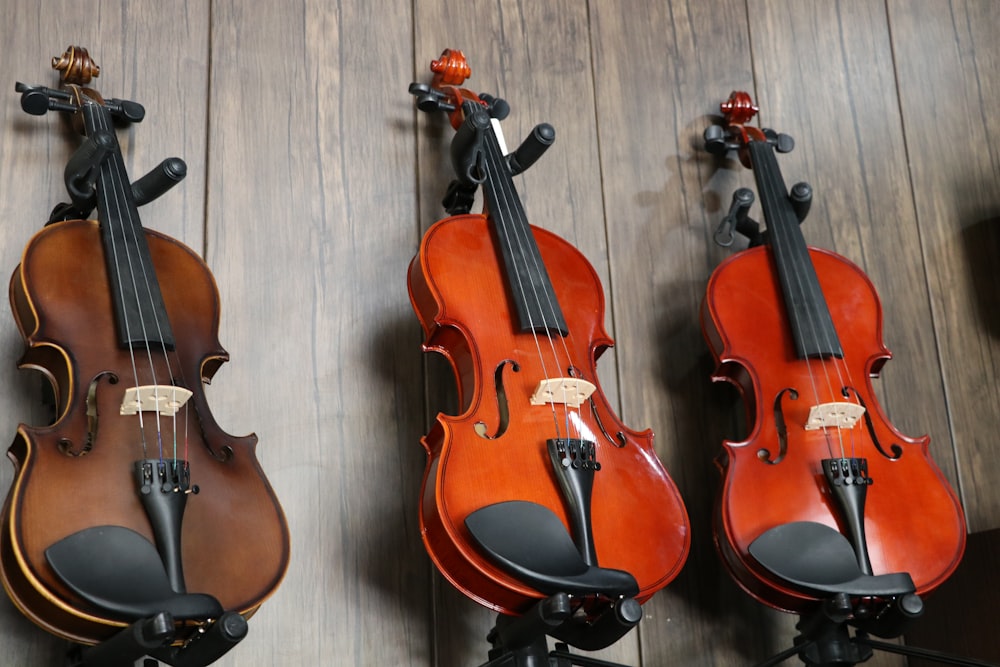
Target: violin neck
column 140, row 314
column 809, row 317
column 528, row 281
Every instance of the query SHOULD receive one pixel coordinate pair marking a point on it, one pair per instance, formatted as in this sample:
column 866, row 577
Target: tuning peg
column 783, row 143
column 35, row 102
column 497, row 106
column 715, row 140
column 38, row 100
column 132, row 112
column 429, row 99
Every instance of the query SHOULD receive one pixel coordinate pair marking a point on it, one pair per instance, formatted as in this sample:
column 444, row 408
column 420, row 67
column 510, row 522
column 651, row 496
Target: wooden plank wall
column 312, row 177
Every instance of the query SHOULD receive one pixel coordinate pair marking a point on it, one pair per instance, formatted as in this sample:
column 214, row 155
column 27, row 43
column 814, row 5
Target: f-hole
column 896, row 450
column 503, row 409
column 780, row 427
column 65, row 444
column 618, row 440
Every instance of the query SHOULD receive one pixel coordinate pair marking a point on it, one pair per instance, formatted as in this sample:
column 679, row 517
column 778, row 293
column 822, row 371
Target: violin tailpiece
column 163, row 488
column 848, row 479
column 575, row 462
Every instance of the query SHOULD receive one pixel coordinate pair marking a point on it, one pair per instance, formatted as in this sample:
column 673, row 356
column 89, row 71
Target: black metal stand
column 520, row 641
column 826, row 641
column 881, row 605
column 153, row 637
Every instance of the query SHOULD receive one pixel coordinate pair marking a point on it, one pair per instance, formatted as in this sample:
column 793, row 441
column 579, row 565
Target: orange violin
column 538, row 455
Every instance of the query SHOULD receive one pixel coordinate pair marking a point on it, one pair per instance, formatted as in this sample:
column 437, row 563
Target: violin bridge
column 165, row 399
column 837, row 415
column 571, row 391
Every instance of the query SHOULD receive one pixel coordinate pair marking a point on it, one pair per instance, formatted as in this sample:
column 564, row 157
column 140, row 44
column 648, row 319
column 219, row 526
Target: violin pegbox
column 76, row 69
column 737, row 111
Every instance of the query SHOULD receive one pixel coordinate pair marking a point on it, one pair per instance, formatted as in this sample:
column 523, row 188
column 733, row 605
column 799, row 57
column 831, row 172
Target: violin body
column 133, row 449
column 825, row 497
column 457, row 289
column 64, row 313
column 914, row 522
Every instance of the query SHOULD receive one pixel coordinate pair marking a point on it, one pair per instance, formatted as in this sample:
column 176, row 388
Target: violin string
column 129, row 228
column 785, row 254
column 96, row 115
column 549, row 307
column 840, row 365
column 544, row 300
column 513, row 221
column 504, row 218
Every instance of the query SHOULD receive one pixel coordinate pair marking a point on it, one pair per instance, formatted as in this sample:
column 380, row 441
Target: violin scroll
column 451, row 69
column 75, row 66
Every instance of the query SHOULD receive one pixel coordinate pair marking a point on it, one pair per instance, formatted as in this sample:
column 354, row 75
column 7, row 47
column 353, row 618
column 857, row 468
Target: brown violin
column 133, row 503
column 537, row 460
column 825, row 496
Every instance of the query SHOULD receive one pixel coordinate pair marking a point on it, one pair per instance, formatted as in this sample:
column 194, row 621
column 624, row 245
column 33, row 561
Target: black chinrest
column 529, row 542
column 118, row 570
column 820, row 559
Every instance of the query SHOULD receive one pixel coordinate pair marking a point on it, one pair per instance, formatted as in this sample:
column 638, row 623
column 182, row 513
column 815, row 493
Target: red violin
column 798, row 330
column 133, row 505
column 537, row 455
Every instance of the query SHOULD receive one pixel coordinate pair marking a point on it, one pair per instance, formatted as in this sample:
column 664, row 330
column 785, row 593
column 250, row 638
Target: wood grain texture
column 311, row 223
column 951, row 132
column 312, row 177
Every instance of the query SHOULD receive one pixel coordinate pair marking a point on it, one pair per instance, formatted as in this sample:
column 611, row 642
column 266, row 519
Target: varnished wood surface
column 311, row 178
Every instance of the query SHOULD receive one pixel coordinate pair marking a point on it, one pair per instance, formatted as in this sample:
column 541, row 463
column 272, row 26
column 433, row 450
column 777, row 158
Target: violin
column 133, row 501
column 518, row 314
column 798, row 331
